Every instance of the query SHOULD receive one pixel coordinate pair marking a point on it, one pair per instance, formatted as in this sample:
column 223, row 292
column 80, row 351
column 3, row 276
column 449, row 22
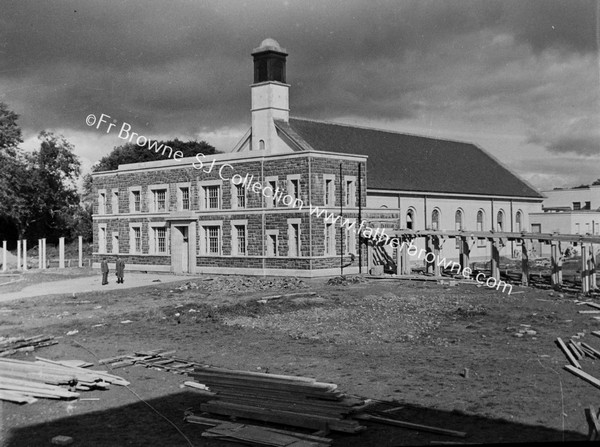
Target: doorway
column 180, row 252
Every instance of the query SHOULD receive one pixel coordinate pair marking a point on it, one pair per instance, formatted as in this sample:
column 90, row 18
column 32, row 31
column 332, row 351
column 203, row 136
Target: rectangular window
column 271, row 202
column 185, row 198
column 240, row 193
column 294, row 188
column 588, row 206
column 136, row 240
column 349, row 241
column 160, row 200
column 329, row 239
column 350, row 192
column 240, row 232
column 272, row 245
column 294, row 240
column 329, row 186
column 115, row 202
column 136, row 198
column 115, row 242
column 102, row 239
column 101, row 203
column 212, row 239
column 160, row 240
column 576, row 205
column 212, row 197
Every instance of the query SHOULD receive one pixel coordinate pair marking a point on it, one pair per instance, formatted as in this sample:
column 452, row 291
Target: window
column 102, row 239
column 480, row 227
column 294, row 188
column 518, row 221
column 410, row 220
column 272, row 243
column 294, row 237
column 240, row 235
column 115, row 242
column 577, row 228
column 435, row 220
column 160, row 240
column 350, row 191
column 261, row 145
column 240, row 194
column 135, row 240
column 272, row 185
column 576, row 205
column 588, row 206
column 212, row 197
column 101, row 203
column 115, row 201
column 185, row 197
column 136, row 201
column 458, row 225
column 349, row 241
column 329, row 239
column 500, row 221
column 329, row 191
column 212, row 239
column 160, row 200
column 536, row 228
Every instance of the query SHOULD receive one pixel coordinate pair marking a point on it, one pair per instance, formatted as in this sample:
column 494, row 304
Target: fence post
column 40, row 258
column 4, row 266
column 44, row 264
column 80, row 251
column 24, row 254
column 18, row 254
column 61, row 253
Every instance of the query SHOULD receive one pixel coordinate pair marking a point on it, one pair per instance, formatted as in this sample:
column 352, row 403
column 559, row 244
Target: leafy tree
column 597, row 182
column 10, row 132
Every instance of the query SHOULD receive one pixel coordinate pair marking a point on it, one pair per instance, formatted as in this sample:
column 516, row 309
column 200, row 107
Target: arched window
column 458, row 220
column 261, row 145
column 500, row 221
column 518, row 222
column 410, row 220
column 435, row 220
column 480, row 220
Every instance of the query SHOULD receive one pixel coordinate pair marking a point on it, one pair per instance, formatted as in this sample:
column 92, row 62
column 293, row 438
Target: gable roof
column 411, row 163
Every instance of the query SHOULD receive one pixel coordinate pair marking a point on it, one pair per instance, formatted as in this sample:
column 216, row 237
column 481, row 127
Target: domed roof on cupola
column 269, row 44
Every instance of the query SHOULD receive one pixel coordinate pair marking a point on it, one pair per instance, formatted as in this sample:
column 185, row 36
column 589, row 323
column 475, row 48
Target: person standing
column 120, row 266
column 104, row 270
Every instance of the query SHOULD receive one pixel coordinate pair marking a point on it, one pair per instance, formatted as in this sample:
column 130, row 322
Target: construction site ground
column 459, row 357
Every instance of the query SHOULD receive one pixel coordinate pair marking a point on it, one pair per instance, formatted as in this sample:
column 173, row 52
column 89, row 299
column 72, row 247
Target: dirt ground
column 407, row 343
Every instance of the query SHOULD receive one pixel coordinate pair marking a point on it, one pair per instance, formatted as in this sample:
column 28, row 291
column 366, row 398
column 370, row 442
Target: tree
column 597, row 182
column 10, row 132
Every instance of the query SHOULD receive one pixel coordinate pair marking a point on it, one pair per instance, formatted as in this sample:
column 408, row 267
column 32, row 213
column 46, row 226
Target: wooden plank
column 567, row 352
column 17, row 398
column 575, row 350
column 597, row 306
column 257, row 435
column 589, row 312
column 583, row 375
column 409, row 425
column 596, row 352
column 266, row 376
column 282, row 417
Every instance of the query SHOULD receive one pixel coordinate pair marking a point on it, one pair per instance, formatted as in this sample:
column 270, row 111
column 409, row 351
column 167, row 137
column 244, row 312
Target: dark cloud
column 180, row 67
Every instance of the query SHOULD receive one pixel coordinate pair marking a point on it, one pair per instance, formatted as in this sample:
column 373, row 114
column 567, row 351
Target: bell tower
column 270, row 95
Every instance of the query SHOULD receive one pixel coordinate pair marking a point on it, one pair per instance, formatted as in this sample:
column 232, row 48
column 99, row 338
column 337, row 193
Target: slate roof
column 411, row 163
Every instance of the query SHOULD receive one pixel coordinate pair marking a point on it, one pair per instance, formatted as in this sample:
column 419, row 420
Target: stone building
column 253, row 210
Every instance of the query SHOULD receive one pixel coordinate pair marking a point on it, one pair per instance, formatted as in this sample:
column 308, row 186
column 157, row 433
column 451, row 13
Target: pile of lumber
column 12, row 345
column 157, row 359
column 289, row 400
column 23, row 382
column 256, row 435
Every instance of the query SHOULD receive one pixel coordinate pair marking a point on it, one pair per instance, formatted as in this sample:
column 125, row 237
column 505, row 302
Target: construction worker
column 104, row 270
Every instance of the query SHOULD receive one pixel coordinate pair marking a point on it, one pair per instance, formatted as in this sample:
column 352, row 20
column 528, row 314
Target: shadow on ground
column 139, row 425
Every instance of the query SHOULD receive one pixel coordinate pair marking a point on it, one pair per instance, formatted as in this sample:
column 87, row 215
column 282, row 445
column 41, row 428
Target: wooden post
column 428, row 266
column 592, row 269
column 80, row 251
column 524, row 263
column 464, row 252
column 19, row 254
column 585, row 285
column 554, row 264
column 559, row 265
column 436, row 252
column 44, row 260
column 398, row 261
column 24, row 254
column 405, row 261
column 495, row 262
column 369, row 257
column 40, row 255
column 61, row 253
column 4, row 266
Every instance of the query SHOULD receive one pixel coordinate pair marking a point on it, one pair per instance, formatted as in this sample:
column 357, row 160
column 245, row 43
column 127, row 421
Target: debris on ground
column 12, row 345
column 158, row 359
column 244, row 284
column 346, row 280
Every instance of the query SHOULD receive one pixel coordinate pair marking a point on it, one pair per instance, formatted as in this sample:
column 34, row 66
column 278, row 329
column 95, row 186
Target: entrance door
column 180, row 249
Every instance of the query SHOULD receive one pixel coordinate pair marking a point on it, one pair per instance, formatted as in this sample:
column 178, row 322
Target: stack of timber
column 22, row 381
column 289, row 400
column 576, row 351
column 12, row 345
column 157, row 359
column 256, row 435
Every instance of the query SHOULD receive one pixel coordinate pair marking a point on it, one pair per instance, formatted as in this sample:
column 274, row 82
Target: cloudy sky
column 520, row 78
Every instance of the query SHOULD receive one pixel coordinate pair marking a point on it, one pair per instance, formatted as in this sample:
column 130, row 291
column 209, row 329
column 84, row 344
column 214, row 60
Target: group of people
column 120, row 271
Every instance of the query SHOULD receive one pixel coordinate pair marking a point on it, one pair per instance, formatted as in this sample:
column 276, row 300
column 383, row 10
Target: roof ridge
column 395, row 132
